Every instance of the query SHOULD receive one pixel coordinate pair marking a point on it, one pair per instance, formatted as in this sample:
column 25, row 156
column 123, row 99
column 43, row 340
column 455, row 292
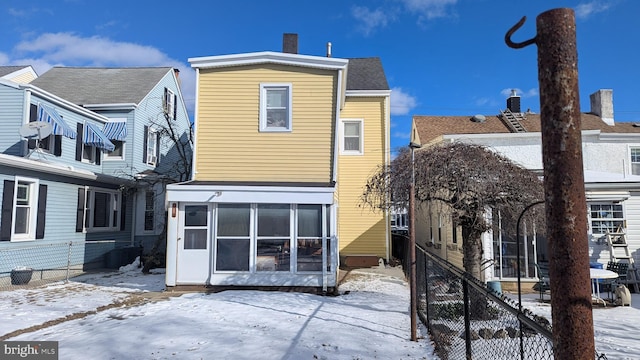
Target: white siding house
column 611, row 156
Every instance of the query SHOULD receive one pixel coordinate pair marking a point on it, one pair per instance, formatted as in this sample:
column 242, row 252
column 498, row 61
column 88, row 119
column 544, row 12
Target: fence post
column 467, row 317
column 426, row 292
column 69, row 261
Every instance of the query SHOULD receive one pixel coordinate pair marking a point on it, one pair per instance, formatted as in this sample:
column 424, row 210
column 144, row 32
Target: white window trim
column 116, row 198
column 590, row 219
column 155, row 153
column 94, row 154
column 108, row 157
column 630, row 148
column 351, row 152
column 34, row 185
column 169, row 103
column 263, row 107
column 292, row 237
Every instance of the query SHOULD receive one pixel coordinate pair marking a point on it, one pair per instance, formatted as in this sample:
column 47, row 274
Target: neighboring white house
column 611, row 156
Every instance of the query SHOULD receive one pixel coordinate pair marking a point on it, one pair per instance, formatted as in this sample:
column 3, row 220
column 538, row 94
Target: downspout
column 25, row 117
column 387, row 151
column 336, row 154
column 134, row 212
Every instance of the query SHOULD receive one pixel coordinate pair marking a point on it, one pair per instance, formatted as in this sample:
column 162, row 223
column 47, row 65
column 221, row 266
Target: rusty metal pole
column 566, row 209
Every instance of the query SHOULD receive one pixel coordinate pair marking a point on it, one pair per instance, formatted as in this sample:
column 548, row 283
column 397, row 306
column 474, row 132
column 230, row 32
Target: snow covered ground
column 370, row 320
column 125, row 315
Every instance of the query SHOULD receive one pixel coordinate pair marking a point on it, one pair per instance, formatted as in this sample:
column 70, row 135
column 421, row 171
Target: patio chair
column 621, row 269
column 543, row 284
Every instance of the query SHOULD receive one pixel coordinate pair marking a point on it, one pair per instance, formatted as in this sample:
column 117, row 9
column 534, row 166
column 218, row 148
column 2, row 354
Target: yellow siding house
column 284, row 144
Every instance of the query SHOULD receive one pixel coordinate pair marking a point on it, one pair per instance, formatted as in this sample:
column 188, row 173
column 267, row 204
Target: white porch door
column 194, row 245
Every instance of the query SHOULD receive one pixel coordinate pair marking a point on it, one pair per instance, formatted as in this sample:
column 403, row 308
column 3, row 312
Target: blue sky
column 441, row 57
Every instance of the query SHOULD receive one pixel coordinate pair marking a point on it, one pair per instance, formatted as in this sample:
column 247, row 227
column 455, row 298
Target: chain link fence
column 36, row 264
column 466, row 320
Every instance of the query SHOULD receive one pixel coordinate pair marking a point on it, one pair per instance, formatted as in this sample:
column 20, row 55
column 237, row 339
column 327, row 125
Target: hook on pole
column 514, row 28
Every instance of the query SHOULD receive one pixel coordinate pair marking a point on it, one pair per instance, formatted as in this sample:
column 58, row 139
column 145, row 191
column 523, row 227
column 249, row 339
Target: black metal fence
column 466, row 320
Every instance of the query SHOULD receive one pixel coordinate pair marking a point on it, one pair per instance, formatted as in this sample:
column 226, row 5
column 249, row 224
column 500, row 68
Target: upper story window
column 275, row 107
column 90, row 153
column 606, row 217
column 116, row 131
column 151, row 146
column 51, row 144
column 635, row 161
column 352, row 139
column 169, row 103
column 117, row 153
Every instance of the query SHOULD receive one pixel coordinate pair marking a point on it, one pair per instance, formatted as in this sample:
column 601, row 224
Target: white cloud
column 370, row 20
column 401, row 102
column 430, row 9
column 68, row 49
column 585, row 10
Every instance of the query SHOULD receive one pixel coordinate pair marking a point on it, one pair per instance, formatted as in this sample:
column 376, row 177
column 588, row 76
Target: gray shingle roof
column 366, row 74
column 5, row 70
column 86, row 85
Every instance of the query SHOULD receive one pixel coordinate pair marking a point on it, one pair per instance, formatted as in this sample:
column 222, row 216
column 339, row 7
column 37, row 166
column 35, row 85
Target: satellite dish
column 36, row 130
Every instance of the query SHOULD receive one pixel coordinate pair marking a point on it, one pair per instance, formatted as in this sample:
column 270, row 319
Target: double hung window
column 635, row 160
column 25, row 209
column 149, row 210
column 275, row 107
column 352, row 139
column 605, row 217
column 169, row 103
column 151, row 147
column 100, row 209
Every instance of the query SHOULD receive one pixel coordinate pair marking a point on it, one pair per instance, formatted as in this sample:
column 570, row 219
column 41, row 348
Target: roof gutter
column 64, row 103
column 58, row 169
column 126, row 106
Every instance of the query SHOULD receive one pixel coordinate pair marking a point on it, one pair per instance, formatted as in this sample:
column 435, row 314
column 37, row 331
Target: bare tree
column 180, row 144
column 467, row 179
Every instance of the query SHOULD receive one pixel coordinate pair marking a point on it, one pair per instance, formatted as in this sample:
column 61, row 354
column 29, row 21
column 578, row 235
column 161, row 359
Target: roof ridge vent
column 478, row 118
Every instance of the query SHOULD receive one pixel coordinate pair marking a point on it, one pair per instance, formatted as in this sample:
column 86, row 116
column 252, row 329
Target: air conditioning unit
column 151, row 159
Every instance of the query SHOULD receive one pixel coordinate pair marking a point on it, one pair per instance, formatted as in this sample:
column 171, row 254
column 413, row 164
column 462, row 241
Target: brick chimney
column 177, row 73
column 602, row 105
column 290, row 43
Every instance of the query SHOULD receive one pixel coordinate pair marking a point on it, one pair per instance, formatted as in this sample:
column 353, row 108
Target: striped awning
column 60, row 127
column 95, row 137
column 115, row 130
